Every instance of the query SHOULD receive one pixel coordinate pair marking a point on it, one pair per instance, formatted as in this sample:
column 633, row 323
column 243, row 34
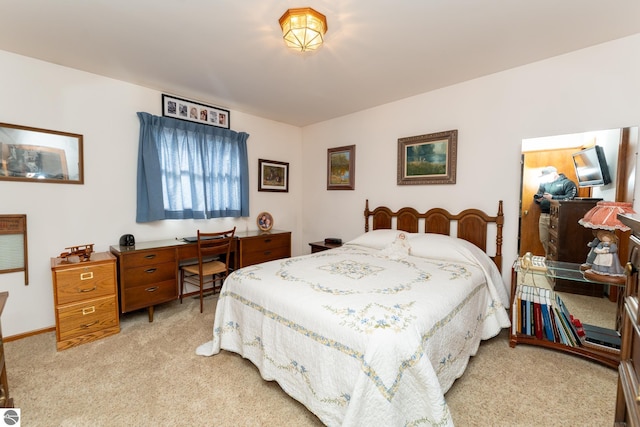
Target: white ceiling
column 230, row 53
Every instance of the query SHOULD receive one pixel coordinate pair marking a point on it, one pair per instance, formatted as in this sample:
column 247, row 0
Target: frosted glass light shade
column 303, row 29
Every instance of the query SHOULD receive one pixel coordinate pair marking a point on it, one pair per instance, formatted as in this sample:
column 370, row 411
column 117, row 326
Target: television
column 591, row 167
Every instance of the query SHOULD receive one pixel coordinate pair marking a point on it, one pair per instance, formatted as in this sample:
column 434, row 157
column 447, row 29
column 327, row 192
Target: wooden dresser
column 255, row 247
column 568, row 241
column 148, row 271
column 628, row 398
column 147, row 274
column 6, row 401
column 85, row 298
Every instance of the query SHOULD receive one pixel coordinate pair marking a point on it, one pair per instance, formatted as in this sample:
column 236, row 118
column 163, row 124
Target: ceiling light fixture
column 303, row 29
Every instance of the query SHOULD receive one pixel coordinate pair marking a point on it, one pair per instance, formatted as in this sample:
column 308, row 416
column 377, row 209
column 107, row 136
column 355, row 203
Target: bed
column 374, row 332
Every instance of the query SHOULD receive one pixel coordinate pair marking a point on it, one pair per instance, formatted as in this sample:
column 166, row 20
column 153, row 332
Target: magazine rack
column 608, row 356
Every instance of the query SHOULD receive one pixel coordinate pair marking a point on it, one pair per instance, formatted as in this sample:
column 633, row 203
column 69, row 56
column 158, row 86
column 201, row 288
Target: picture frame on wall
column 273, row 176
column 341, row 168
column 428, row 159
column 40, row 155
column 196, row 112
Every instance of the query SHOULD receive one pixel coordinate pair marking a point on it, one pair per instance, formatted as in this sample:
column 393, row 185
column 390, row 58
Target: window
column 190, row 170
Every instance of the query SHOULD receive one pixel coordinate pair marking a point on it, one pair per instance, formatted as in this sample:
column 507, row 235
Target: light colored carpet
column 149, row 375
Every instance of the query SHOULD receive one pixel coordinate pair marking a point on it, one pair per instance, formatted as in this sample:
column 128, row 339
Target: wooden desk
column 148, row 273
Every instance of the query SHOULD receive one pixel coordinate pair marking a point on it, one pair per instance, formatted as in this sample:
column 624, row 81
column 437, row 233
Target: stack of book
column 541, row 313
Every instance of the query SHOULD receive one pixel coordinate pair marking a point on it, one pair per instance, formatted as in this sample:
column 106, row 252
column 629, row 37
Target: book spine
column 537, row 315
column 548, row 332
column 566, row 317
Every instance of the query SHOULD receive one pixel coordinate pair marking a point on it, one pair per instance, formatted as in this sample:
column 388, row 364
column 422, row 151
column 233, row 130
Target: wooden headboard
column 472, row 224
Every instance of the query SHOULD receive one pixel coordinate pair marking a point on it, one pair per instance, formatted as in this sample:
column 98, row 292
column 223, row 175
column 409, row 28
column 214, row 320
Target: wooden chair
column 209, row 269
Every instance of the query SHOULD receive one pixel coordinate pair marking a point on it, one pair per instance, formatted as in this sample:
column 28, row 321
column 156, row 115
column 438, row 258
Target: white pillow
column 379, row 239
column 437, row 246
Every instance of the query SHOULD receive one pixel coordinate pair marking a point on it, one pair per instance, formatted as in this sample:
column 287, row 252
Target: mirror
column 596, row 304
column 40, row 155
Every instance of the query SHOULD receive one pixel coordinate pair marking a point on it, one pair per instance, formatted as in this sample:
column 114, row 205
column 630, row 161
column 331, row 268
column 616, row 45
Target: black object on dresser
column 568, row 241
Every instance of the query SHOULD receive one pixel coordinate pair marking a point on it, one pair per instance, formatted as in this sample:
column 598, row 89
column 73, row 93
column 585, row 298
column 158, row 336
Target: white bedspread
column 362, row 338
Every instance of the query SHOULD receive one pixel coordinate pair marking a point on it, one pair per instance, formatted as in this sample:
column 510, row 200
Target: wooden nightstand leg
column 150, row 310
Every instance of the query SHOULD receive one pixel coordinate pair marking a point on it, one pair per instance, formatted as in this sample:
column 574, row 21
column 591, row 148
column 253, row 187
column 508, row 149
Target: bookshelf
column 542, row 332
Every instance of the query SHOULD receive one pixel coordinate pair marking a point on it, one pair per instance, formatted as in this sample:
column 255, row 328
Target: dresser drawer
column 138, row 297
column 82, row 283
column 149, row 257
column 263, row 243
column 264, row 248
column 256, row 257
column 145, row 275
column 87, row 317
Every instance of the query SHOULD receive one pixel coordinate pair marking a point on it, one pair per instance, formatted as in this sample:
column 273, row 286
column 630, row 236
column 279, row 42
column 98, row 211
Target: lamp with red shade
column 603, row 263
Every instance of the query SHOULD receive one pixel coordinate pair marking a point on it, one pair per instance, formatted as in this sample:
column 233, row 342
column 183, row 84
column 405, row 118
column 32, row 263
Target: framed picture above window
column 428, row 159
column 341, row 168
column 273, row 176
column 192, row 111
column 40, row 155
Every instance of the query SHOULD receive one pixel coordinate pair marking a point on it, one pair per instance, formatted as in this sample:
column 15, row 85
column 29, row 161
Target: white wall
column 48, row 96
column 592, row 89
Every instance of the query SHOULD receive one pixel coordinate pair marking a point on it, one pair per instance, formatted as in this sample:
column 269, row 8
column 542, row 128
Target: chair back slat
column 218, row 243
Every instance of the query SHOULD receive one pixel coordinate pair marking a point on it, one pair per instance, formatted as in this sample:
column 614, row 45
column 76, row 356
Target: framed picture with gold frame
column 264, row 221
column 428, row 159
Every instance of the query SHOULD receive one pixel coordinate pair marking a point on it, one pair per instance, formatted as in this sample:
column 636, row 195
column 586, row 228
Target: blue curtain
column 190, row 170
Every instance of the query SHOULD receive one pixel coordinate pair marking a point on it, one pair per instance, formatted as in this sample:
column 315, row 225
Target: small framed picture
column 191, row 111
column 273, row 176
column 265, row 221
column 341, row 168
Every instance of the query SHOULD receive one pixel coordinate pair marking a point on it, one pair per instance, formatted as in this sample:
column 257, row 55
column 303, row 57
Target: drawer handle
column 267, row 240
column 152, row 289
column 88, row 325
column 629, row 269
column 267, row 252
column 150, row 270
column 88, row 290
column 89, row 310
column 86, row 276
column 151, row 256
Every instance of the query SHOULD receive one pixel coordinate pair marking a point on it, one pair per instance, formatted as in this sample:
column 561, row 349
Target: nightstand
column 322, row 246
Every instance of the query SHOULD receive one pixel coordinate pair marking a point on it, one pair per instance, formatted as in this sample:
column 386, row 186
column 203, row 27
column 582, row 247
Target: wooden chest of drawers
column 6, row 401
column 85, row 298
column 147, row 278
column 628, row 397
column 568, row 241
column 254, row 248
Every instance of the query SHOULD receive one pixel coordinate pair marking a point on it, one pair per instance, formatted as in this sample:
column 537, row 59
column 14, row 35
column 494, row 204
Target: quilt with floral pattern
column 372, row 333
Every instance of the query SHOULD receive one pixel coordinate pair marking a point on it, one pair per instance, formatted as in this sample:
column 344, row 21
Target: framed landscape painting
column 341, row 168
column 428, row 159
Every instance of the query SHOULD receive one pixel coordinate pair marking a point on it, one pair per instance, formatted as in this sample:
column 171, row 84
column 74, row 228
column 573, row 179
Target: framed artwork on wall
column 192, row 111
column 40, row 155
column 341, row 168
column 273, row 175
column 428, row 159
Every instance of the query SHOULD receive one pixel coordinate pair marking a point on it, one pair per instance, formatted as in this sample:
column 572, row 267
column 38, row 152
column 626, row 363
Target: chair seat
column 209, row 268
